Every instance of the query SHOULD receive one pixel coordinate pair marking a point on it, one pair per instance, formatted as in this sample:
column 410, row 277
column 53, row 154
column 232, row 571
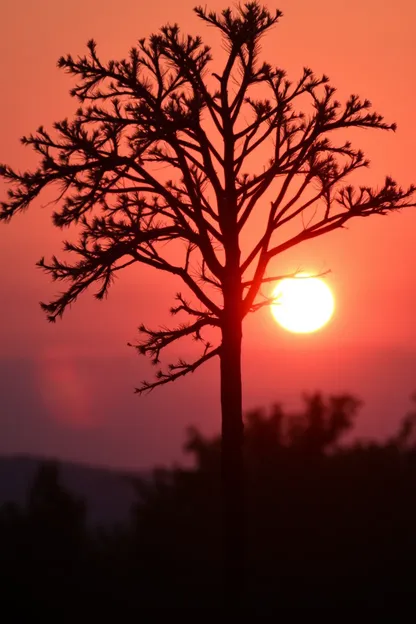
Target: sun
column 302, row 304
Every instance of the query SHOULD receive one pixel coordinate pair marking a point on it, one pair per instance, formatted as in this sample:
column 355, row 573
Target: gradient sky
column 67, row 389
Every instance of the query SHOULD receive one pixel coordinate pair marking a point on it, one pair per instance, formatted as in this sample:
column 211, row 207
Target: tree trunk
column 232, row 471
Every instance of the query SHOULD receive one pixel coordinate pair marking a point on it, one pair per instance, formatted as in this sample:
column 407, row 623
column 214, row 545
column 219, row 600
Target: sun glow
column 302, row 304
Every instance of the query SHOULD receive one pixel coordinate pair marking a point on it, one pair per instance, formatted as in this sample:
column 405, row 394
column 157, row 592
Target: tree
column 44, row 545
column 162, row 106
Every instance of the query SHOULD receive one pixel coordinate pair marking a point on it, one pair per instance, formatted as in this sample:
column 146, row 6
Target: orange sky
column 66, row 389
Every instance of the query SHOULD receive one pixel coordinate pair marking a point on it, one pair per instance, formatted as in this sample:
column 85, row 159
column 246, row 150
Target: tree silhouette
column 163, row 106
column 57, row 525
column 44, row 545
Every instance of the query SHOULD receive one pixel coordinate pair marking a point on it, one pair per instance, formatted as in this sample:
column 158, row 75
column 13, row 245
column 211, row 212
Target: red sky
column 67, row 389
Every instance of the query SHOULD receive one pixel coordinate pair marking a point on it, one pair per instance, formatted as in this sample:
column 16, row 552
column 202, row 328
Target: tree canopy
column 159, row 151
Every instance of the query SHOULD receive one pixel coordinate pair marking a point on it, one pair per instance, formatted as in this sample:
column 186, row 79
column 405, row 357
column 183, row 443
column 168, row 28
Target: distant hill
column 107, row 493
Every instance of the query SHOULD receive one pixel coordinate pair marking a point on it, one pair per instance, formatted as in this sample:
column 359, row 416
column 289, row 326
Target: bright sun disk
column 302, row 304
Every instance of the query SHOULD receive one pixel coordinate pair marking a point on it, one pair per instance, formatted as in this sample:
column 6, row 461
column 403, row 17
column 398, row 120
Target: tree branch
column 180, row 369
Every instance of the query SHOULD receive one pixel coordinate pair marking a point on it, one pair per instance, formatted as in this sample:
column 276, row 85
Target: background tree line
column 328, row 525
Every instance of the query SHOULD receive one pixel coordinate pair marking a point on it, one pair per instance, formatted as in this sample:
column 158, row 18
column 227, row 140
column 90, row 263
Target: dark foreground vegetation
column 326, row 526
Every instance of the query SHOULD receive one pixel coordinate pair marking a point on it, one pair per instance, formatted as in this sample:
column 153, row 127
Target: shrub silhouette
column 326, row 525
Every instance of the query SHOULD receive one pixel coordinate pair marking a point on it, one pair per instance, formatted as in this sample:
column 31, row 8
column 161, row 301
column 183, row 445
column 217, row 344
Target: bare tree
column 161, row 106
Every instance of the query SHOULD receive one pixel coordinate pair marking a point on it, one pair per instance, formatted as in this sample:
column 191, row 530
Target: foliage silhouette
column 161, row 106
column 328, row 525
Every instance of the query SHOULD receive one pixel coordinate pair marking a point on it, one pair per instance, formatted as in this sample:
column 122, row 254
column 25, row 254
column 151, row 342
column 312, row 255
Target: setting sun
column 302, row 304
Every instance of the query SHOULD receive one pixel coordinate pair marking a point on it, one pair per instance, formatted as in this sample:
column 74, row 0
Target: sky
column 66, row 389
